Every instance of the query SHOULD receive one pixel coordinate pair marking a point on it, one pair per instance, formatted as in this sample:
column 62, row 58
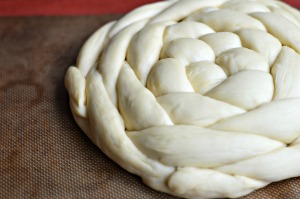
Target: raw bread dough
column 201, row 98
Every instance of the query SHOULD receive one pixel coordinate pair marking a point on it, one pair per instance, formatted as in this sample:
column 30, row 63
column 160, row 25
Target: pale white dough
column 200, row 98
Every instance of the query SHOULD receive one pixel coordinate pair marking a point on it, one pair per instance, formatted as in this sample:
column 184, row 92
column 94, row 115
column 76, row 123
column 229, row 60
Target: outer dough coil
column 201, row 98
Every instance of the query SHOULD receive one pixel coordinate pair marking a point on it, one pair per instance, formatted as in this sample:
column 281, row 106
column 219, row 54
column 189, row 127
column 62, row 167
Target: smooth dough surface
column 200, row 98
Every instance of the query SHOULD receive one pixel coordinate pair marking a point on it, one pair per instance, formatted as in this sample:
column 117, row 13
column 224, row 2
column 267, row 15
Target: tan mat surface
column 43, row 153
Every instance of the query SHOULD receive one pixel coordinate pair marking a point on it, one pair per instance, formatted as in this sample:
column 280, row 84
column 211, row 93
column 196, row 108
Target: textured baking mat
column 44, row 154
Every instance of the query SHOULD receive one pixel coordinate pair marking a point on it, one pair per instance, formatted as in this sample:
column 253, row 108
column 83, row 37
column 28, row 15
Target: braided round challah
column 201, row 98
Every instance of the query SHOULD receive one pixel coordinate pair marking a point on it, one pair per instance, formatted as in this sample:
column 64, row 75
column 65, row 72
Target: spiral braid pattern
column 201, row 98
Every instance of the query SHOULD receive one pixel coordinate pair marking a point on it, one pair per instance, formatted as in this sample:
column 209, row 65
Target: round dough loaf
column 201, row 98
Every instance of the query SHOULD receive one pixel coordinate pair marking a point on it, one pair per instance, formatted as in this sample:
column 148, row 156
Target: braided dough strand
column 201, row 98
